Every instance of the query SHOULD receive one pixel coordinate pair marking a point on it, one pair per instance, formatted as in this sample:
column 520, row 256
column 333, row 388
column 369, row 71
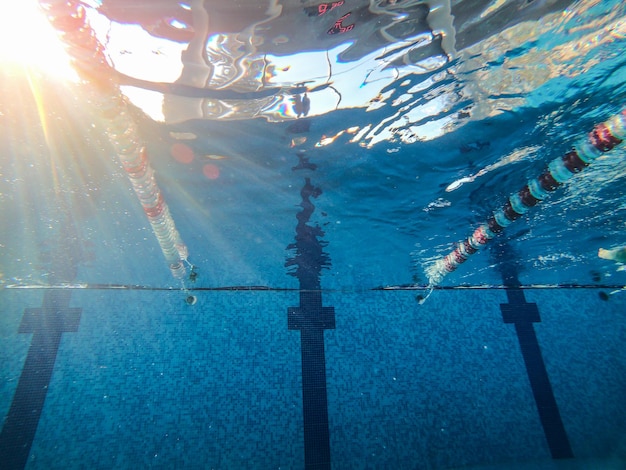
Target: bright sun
column 28, row 40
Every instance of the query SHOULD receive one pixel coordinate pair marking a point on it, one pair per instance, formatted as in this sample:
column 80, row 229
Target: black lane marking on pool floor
column 311, row 318
column 47, row 324
column 523, row 314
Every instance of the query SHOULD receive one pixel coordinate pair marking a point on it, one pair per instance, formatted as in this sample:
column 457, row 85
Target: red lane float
column 69, row 18
column 603, row 138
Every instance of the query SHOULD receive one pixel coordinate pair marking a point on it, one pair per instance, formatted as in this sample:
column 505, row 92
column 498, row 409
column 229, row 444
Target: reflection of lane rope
column 69, row 18
column 603, row 138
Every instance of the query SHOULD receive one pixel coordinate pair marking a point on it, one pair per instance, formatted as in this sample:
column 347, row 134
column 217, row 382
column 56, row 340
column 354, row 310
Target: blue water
column 148, row 384
column 317, row 232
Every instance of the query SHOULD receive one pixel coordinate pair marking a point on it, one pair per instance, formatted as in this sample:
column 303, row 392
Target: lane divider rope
column 604, row 137
column 70, row 20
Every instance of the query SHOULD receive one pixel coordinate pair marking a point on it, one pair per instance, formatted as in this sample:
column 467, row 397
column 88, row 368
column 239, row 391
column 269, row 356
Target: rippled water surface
column 410, row 121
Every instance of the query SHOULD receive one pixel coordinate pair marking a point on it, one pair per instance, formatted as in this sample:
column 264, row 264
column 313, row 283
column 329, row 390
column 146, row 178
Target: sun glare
column 28, row 40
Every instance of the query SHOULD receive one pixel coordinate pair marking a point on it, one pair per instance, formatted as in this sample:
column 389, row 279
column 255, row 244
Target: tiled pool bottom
column 149, row 382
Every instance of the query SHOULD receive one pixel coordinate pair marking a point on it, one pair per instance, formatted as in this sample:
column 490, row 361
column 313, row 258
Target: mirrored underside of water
column 371, row 136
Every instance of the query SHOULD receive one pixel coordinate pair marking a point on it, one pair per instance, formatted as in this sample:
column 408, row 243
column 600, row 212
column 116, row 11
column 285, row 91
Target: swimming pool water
column 144, row 383
column 299, row 336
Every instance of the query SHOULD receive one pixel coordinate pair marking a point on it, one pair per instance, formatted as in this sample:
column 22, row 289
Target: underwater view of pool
column 356, row 234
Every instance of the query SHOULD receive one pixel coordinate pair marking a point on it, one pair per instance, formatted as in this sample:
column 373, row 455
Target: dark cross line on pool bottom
column 47, row 324
column 523, row 314
column 311, row 318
